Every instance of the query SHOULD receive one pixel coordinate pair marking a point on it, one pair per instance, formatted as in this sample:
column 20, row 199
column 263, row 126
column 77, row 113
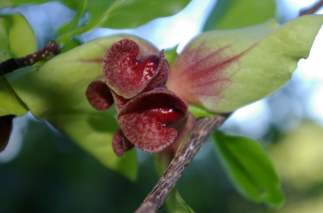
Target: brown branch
column 201, row 130
column 313, row 9
column 12, row 64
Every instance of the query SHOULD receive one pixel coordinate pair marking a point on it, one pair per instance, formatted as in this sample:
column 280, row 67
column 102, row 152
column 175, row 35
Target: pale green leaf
column 22, row 40
column 56, row 92
column 249, row 168
column 229, row 14
column 227, row 69
column 10, row 104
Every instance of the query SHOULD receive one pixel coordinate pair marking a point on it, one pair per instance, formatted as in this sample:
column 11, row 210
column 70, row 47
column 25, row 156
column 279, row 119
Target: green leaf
column 93, row 131
column 230, row 14
column 10, row 104
column 120, row 14
column 176, row 204
column 127, row 14
column 22, row 40
column 249, row 168
column 227, row 69
column 56, row 92
column 73, row 24
column 4, row 46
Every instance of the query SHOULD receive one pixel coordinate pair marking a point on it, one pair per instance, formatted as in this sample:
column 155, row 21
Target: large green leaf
column 249, row 168
column 226, row 69
column 56, row 92
column 230, row 14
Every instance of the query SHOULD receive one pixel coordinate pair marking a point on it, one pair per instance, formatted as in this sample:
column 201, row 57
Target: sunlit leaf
column 249, row 168
column 56, row 92
column 230, row 14
column 22, row 40
column 10, row 104
column 227, row 69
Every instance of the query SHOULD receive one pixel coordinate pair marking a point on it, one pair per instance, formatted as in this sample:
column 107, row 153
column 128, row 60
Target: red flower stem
column 12, row 64
column 201, row 130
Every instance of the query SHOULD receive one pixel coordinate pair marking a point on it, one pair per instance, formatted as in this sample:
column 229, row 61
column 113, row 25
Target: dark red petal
column 5, row 130
column 161, row 78
column 119, row 101
column 127, row 73
column 150, row 121
column 99, row 95
column 120, row 143
column 146, row 132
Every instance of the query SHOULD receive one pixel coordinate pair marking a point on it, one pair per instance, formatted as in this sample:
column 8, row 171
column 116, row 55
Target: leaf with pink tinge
column 153, row 120
column 227, row 69
column 127, row 71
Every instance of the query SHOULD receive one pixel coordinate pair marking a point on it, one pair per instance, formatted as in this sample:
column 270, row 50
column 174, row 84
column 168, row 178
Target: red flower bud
column 99, row 95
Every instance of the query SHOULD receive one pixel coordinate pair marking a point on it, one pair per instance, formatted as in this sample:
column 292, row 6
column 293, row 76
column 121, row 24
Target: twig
column 201, row 130
column 12, row 64
column 313, row 9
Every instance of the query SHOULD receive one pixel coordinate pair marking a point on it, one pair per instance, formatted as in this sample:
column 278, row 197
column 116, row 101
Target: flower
column 150, row 116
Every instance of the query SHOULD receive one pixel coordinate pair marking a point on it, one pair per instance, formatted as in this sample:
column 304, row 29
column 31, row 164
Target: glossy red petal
column 99, row 95
column 152, row 120
column 127, row 72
